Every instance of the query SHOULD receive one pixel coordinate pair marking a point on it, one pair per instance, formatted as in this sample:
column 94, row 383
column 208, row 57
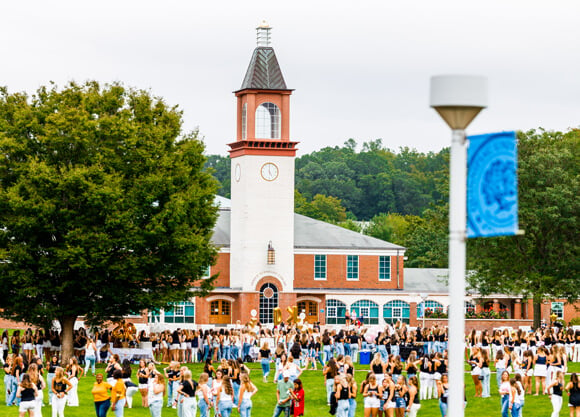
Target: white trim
column 263, row 274
column 220, row 297
column 360, row 252
column 307, row 298
column 357, row 269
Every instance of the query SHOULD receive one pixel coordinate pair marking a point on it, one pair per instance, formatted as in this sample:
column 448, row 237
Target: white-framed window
column 430, row 307
column 469, row 307
column 206, row 273
column 335, row 311
column 396, row 310
column 367, row 309
column 268, row 121
column 183, row 312
column 384, row 268
column 558, row 309
column 352, row 267
column 320, row 267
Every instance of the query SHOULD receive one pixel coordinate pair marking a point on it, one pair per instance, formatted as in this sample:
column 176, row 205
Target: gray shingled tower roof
column 264, row 72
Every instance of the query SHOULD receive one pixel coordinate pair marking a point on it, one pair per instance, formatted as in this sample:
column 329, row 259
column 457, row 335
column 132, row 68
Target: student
column 27, row 393
column 414, row 401
column 225, row 397
column 284, row 399
column 187, row 390
column 101, row 396
column 443, row 393
column 118, row 394
column 155, row 392
column 505, row 391
column 557, row 386
column 60, row 387
column 372, row 396
column 573, row 390
column 297, row 398
column 247, row 391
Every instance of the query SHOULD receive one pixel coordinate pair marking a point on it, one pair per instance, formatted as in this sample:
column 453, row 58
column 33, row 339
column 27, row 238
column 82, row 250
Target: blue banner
column 492, row 185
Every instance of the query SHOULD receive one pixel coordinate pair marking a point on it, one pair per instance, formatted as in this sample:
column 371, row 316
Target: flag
column 492, row 186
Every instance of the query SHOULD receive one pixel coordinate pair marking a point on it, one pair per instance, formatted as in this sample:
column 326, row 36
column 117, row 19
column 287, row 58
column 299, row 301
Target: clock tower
column 262, row 181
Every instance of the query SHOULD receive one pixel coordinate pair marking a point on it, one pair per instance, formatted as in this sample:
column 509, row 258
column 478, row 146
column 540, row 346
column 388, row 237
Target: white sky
column 360, row 69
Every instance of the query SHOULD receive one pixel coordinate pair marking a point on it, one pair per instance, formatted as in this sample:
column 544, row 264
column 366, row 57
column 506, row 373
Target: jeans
column 189, row 407
column 225, row 408
column 319, row 357
column 383, row 351
column 49, row 379
column 347, row 349
column 395, row 350
column 120, row 408
column 155, row 408
column 265, row 367
column 101, row 407
column 499, row 371
column 505, row 405
column 342, row 409
column 90, row 362
column 236, row 388
column 226, row 352
column 246, row 350
column 13, row 384
column 485, row 382
column 329, row 387
column 516, row 410
column 340, row 349
column 279, row 410
column 351, row 407
column 234, row 352
column 327, row 352
column 443, row 408
column 203, row 408
column 354, row 352
column 246, row 408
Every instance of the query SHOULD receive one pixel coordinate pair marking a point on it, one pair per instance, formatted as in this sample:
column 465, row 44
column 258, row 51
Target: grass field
column 265, row 399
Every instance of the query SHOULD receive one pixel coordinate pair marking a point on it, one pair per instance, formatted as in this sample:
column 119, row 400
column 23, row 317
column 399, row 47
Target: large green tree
column 105, row 208
column 544, row 262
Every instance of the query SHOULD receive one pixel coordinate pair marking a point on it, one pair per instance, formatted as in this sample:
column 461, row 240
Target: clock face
column 269, row 171
column 238, row 172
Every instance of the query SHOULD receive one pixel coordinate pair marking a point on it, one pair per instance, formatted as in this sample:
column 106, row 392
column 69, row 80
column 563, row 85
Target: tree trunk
column 67, row 325
column 537, row 314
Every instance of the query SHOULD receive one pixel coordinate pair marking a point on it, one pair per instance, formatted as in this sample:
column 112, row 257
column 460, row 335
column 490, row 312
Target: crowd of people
column 407, row 366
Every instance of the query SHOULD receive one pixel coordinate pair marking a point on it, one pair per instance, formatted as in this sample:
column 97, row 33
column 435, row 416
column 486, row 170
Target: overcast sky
column 360, row 69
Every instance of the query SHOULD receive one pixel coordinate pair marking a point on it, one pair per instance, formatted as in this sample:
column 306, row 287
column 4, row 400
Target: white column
column 457, row 236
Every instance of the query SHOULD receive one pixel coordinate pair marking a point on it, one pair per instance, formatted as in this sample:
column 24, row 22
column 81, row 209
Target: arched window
column 366, row 309
column 430, row 306
column 268, row 121
column 469, row 308
column 244, row 120
column 335, row 311
column 396, row 310
column 268, row 302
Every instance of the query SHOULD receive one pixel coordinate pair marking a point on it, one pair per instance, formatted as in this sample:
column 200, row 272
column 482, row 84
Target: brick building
column 271, row 257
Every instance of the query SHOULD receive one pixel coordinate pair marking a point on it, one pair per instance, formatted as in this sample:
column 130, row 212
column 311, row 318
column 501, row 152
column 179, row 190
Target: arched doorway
column 268, row 302
column 220, row 312
column 310, row 308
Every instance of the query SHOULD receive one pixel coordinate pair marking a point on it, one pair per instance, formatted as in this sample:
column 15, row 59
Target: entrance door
column 310, row 308
column 220, row 312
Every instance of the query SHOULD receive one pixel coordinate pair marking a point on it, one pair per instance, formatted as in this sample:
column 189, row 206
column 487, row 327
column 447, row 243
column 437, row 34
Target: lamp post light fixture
column 271, row 254
column 458, row 99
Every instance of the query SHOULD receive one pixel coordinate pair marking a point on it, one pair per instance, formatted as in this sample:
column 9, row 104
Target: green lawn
column 315, row 399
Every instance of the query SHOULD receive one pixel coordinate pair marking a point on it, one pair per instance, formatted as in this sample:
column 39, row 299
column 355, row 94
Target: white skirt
column 540, row 370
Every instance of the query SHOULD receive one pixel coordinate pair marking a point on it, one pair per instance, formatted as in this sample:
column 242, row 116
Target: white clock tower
column 262, row 177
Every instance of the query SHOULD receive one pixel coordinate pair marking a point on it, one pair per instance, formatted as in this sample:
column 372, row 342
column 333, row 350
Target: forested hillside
column 368, row 179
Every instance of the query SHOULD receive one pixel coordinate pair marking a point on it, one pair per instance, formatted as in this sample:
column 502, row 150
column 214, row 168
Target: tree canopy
column 105, row 206
column 544, row 262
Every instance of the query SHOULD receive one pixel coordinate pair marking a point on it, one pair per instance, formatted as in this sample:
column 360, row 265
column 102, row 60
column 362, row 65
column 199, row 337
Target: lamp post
column 458, row 99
